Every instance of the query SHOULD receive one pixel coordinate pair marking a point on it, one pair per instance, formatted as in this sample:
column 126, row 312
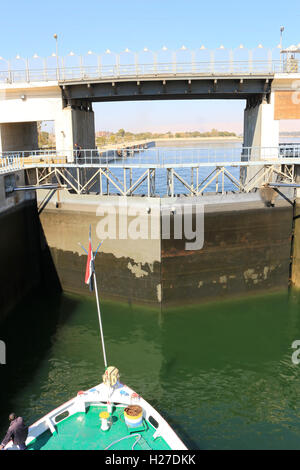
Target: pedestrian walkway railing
column 11, row 163
column 150, row 158
column 109, row 65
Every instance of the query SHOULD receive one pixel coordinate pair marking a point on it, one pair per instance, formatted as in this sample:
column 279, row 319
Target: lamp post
column 113, row 68
column 280, row 46
column 182, row 60
column 129, row 66
column 281, row 31
column 9, row 78
column 18, row 57
column 152, row 66
column 57, row 60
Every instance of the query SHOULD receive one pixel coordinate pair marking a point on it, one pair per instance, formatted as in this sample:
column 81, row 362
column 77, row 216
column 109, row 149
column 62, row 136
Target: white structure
column 260, row 127
column 23, row 105
column 270, row 89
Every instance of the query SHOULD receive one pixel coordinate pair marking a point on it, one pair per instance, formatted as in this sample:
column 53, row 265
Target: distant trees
column 122, row 135
column 112, row 139
column 46, row 140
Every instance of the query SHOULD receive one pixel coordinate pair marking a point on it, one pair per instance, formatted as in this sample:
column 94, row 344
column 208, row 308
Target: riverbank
column 201, row 139
column 168, row 142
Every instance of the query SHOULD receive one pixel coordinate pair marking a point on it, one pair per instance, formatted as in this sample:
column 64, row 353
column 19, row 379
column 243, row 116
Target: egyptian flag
column 90, row 268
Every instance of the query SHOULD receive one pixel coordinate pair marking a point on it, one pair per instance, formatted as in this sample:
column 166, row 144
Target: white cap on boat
column 104, row 416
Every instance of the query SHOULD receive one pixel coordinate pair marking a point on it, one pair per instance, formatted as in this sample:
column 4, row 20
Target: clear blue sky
column 27, row 27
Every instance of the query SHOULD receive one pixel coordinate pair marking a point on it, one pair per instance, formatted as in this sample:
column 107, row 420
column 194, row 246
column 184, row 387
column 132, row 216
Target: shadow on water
column 29, row 328
column 28, row 333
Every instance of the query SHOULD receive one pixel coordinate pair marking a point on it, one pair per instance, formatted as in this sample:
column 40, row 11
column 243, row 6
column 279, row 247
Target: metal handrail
column 10, row 163
column 150, row 158
column 102, row 72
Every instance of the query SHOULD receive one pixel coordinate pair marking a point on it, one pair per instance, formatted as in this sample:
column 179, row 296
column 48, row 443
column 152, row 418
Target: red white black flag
column 90, row 267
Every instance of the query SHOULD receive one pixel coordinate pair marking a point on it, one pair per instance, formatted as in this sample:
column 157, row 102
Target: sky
column 27, row 28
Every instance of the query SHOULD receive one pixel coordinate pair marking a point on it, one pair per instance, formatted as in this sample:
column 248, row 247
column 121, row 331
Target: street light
column 183, row 58
column 109, row 64
column 18, row 57
column 9, row 78
column 146, row 64
column 57, row 60
column 131, row 62
column 281, row 31
column 91, row 63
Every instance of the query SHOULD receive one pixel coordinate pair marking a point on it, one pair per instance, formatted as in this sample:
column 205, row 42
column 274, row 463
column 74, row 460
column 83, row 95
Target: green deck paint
column 82, row 431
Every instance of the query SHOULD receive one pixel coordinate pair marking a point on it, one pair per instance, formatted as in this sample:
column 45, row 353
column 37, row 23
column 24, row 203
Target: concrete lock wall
column 25, row 261
column 127, row 269
column 19, row 245
column 246, row 250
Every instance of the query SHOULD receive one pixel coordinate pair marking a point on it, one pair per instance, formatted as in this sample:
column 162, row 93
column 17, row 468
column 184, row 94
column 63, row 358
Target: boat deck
column 82, row 431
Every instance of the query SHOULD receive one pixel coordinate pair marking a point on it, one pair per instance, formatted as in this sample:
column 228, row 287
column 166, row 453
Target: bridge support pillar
column 18, row 136
column 260, row 130
column 74, row 126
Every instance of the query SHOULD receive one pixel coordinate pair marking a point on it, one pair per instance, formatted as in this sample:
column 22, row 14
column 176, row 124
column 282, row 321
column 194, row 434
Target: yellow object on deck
column 111, row 376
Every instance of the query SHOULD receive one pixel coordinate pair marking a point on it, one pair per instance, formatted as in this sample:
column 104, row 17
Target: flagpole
column 90, row 278
column 99, row 316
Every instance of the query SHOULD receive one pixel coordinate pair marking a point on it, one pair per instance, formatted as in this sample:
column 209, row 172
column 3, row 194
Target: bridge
column 146, row 64
column 63, row 89
column 193, row 170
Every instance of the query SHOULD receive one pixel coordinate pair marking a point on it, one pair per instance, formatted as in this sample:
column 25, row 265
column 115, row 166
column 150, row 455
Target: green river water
column 220, row 373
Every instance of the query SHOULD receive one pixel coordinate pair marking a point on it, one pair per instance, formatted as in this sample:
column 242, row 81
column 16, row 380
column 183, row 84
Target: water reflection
column 221, row 373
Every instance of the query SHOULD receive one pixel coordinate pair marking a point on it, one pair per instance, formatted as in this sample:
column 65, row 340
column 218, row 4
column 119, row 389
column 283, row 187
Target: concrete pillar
column 260, row 127
column 261, row 133
column 18, row 136
column 74, row 126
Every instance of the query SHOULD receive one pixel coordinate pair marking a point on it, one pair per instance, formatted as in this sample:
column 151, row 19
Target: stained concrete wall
column 19, row 245
column 19, row 254
column 18, row 136
column 25, row 259
column 84, row 129
column 246, row 250
column 11, row 200
column 127, row 270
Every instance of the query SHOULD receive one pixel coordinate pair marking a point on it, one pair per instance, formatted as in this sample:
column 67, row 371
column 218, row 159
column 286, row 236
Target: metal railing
column 149, row 158
column 11, row 163
column 222, row 61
